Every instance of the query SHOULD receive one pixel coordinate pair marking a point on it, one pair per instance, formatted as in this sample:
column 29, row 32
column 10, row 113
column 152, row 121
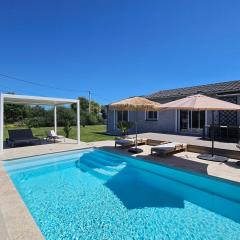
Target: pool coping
column 18, row 223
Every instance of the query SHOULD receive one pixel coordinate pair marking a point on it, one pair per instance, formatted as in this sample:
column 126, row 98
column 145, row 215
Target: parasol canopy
column 201, row 102
column 135, row 104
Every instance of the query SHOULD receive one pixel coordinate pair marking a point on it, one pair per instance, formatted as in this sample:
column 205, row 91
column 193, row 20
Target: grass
column 88, row 133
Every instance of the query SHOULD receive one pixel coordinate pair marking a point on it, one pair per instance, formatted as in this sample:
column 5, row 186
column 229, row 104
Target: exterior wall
column 165, row 122
column 110, row 122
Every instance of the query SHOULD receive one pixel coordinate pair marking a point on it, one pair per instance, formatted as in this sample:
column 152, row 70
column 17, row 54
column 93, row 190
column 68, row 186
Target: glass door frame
column 190, row 129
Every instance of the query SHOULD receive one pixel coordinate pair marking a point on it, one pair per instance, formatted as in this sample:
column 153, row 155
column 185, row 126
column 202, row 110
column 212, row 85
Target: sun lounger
column 129, row 141
column 53, row 136
column 124, row 142
column 168, row 148
column 21, row 136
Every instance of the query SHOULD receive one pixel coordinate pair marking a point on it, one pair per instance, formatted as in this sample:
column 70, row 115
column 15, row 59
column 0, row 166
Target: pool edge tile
column 18, row 222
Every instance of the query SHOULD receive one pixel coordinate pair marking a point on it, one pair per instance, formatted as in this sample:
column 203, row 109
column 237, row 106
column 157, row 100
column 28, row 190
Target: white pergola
column 35, row 100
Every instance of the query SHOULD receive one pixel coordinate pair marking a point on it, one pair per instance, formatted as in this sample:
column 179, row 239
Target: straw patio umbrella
column 135, row 104
column 201, row 102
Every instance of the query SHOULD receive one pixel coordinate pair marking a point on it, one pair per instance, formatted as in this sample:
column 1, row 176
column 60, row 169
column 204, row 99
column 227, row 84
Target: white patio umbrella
column 201, row 102
column 135, row 104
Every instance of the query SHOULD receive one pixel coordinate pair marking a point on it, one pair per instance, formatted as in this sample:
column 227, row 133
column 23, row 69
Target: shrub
column 67, row 128
column 32, row 122
column 92, row 119
column 124, row 127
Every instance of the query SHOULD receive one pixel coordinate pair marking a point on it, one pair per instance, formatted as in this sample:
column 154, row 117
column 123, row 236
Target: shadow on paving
column 171, row 161
column 233, row 164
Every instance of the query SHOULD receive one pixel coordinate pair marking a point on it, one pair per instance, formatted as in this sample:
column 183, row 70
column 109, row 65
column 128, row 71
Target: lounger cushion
column 168, row 147
column 124, row 141
column 20, row 134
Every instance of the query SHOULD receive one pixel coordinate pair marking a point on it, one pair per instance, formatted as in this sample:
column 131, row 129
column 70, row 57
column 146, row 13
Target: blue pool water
column 94, row 194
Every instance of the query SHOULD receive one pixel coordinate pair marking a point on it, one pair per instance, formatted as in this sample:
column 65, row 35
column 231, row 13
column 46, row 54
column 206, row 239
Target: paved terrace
column 197, row 144
column 16, row 221
column 191, row 140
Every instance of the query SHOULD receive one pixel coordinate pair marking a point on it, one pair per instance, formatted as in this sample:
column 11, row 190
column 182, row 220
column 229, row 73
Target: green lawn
column 88, row 133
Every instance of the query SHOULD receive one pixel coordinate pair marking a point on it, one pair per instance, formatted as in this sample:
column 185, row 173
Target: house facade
column 182, row 121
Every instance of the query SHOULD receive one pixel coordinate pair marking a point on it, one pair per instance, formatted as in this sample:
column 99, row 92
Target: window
column 184, row 120
column 122, row 116
column 152, row 116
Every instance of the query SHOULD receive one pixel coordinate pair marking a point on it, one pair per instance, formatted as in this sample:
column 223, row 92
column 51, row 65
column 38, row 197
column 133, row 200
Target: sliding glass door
column 191, row 121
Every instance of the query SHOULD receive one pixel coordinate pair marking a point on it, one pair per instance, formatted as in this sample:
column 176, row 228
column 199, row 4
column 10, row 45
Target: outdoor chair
column 168, row 148
column 21, row 136
column 53, row 136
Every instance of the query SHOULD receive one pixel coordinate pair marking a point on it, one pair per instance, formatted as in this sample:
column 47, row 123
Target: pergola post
column 1, row 121
column 55, row 119
column 78, row 121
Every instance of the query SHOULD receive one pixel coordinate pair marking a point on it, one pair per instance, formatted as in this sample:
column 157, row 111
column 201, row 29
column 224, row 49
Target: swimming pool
column 94, row 194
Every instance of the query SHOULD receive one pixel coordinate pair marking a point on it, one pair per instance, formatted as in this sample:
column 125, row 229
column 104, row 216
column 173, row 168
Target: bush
column 124, row 127
column 83, row 119
column 67, row 128
column 92, row 119
column 65, row 114
column 32, row 122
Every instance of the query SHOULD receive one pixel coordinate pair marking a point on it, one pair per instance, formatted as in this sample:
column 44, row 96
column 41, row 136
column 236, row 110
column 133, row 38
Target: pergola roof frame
column 35, row 100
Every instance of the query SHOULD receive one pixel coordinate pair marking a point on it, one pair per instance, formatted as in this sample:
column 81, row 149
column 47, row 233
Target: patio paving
column 45, row 148
column 191, row 140
column 16, row 221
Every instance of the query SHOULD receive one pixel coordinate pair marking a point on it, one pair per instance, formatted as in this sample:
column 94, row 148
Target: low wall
column 222, row 152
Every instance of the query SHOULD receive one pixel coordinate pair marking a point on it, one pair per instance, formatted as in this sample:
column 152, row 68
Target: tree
column 104, row 112
column 14, row 113
column 65, row 114
column 86, row 118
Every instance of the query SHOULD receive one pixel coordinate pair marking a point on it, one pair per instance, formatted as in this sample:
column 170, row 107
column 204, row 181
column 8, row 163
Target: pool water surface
column 94, row 194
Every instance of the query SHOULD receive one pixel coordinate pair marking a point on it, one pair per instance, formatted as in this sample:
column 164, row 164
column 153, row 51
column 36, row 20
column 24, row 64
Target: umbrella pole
column 212, row 157
column 213, row 126
column 136, row 129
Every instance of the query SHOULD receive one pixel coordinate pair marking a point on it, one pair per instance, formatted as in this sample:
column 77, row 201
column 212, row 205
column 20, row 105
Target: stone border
column 16, row 222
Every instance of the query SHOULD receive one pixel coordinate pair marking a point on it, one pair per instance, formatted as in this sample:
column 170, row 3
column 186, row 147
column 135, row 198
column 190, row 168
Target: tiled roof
column 216, row 88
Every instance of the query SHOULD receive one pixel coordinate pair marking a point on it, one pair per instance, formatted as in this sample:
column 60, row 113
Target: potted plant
column 124, row 127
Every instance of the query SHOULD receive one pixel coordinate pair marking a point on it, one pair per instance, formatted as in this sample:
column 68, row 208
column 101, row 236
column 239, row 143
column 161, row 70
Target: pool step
column 108, row 155
column 97, row 167
column 107, row 160
column 102, row 163
column 96, row 172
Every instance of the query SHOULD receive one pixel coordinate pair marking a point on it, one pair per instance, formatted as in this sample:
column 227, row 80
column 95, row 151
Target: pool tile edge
column 18, row 222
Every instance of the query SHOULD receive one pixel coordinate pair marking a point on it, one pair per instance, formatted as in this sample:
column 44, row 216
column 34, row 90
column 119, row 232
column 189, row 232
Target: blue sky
column 117, row 48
